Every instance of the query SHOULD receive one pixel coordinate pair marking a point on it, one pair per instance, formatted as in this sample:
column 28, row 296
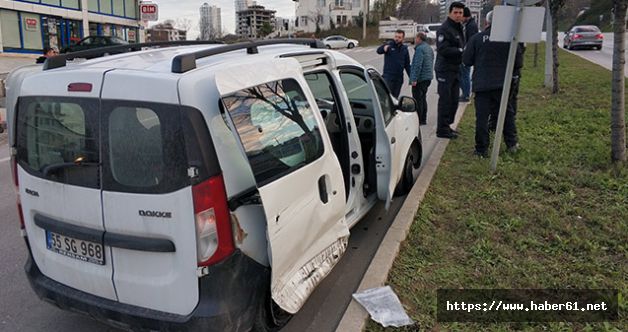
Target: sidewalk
column 9, row 62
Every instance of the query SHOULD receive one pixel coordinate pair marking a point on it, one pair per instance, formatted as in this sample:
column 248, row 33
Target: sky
column 174, row 9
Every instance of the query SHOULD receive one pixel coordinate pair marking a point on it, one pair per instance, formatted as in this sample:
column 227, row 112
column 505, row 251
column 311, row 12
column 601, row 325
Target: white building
column 325, row 13
column 210, row 24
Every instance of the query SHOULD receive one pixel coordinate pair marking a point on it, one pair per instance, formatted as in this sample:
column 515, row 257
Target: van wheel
column 270, row 317
column 410, row 171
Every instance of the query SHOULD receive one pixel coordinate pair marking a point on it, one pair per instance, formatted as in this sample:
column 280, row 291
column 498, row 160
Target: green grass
column 553, row 216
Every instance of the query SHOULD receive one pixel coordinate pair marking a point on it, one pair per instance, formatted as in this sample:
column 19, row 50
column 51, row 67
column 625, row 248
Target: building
column 27, row 26
column 250, row 22
column 165, row 32
column 324, row 14
column 210, row 23
column 241, row 5
column 475, row 6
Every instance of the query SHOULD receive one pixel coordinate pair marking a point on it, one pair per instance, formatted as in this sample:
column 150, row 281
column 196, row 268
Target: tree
column 618, row 110
column 555, row 6
column 265, row 30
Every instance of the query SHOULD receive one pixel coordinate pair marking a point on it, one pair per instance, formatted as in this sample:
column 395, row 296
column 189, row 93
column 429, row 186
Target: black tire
column 329, row 47
column 410, row 171
column 564, row 44
column 270, row 317
column 350, row 45
column 598, row 47
column 569, row 47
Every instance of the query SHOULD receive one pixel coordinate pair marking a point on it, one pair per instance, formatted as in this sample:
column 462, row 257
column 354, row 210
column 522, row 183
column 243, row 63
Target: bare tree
column 183, row 23
column 618, row 110
column 555, row 6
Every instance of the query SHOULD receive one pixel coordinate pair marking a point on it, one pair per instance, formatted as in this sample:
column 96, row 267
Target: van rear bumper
column 228, row 300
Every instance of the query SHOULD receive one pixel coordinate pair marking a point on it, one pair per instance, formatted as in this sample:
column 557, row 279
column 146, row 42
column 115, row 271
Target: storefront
column 60, row 23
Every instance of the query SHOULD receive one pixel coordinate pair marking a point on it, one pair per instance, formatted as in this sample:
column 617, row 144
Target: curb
column 355, row 316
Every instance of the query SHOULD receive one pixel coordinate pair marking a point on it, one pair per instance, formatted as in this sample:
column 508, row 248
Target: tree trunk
column 549, row 57
column 618, row 110
column 555, row 52
column 536, row 55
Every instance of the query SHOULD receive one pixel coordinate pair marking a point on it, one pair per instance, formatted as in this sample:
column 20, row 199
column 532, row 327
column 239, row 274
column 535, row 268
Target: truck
column 387, row 29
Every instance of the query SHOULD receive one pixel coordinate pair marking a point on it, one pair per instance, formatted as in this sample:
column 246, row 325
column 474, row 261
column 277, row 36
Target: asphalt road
column 21, row 310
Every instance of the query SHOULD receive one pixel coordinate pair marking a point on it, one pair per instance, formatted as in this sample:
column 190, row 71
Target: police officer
column 449, row 46
column 489, row 60
column 396, row 60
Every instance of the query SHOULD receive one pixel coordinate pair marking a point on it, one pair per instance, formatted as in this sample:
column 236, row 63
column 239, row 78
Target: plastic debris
column 384, row 306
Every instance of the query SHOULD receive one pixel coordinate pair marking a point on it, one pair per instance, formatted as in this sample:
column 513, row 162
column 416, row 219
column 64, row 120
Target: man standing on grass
column 489, row 60
column 469, row 28
column 449, row 46
column 421, row 74
column 396, row 60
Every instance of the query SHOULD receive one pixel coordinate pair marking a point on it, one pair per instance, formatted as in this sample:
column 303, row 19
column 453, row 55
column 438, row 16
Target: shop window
column 31, row 31
column 92, row 6
column 130, row 8
column 74, row 4
column 51, row 2
column 105, row 6
column 118, row 7
column 10, row 29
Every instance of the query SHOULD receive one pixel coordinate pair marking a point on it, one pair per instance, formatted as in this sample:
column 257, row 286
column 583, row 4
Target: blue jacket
column 395, row 61
column 422, row 63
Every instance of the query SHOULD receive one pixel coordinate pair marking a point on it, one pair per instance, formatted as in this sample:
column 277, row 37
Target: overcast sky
column 174, row 9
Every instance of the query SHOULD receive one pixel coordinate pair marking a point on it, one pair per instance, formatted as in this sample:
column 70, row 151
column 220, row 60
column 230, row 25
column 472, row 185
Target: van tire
column 270, row 317
column 410, row 170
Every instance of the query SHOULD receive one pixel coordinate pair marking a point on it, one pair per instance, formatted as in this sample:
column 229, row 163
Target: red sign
column 30, row 24
column 149, row 12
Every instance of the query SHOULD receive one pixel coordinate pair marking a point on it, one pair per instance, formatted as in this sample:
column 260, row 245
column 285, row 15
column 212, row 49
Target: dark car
column 92, row 42
column 588, row 36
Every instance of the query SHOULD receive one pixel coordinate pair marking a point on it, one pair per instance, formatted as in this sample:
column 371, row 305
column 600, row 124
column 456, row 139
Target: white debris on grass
column 384, row 306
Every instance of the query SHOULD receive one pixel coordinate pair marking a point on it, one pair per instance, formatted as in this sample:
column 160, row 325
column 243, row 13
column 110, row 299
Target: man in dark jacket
column 396, row 60
column 449, row 46
column 469, row 28
column 489, row 60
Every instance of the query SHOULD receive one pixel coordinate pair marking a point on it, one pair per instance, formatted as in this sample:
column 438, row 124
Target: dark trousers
column 465, row 81
column 394, row 85
column 419, row 93
column 487, row 104
column 448, row 86
column 514, row 92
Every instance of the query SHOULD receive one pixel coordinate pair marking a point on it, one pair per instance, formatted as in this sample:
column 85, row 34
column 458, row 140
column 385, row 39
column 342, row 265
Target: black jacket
column 470, row 29
column 449, row 46
column 489, row 61
column 396, row 60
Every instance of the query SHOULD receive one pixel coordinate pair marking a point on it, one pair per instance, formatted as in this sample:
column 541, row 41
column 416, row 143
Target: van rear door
column 58, row 155
column 147, row 196
column 282, row 134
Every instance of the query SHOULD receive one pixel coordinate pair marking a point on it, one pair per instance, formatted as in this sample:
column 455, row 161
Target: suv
column 205, row 186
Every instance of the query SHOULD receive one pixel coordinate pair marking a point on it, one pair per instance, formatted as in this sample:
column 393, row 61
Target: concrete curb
column 355, row 317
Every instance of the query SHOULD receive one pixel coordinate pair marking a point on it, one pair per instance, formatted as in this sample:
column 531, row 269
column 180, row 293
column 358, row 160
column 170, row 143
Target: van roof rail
column 61, row 59
column 186, row 62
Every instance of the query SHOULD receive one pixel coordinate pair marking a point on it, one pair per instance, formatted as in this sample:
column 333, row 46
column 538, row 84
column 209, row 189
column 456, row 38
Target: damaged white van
column 200, row 187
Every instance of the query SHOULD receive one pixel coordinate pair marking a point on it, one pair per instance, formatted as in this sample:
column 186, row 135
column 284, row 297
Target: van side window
column 57, row 139
column 277, row 128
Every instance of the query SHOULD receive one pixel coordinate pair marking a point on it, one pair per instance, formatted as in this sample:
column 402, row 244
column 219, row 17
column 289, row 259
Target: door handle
column 393, row 140
column 322, row 190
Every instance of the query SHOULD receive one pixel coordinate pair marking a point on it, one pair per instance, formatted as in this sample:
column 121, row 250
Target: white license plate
column 85, row 251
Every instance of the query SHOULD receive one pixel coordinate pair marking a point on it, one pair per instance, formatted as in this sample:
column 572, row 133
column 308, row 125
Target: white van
column 200, row 187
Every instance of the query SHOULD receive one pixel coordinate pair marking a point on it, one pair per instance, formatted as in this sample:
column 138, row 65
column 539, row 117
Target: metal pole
column 365, row 15
column 506, row 89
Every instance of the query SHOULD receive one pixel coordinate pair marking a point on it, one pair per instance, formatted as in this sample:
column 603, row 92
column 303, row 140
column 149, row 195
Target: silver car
column 339, row 42
column 588, row 36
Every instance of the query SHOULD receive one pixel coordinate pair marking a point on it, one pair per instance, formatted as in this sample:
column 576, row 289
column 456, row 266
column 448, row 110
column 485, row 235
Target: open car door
column 384, row 137
column 274, row 116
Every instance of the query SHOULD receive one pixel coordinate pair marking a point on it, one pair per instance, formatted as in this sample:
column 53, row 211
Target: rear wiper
column 77, row 162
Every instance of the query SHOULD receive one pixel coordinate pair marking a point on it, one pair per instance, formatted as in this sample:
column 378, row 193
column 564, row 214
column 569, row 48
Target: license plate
column 85, row 251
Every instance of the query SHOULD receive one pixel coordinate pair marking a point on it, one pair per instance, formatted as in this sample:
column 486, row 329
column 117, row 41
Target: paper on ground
column 384, row 306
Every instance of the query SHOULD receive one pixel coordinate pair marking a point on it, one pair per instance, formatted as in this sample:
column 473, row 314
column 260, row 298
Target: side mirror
column 407, row 104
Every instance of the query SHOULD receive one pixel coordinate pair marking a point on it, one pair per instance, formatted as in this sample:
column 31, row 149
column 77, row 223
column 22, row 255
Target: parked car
column 176, row 188
column 588, row 36
column 92, row 42
column 339, row 42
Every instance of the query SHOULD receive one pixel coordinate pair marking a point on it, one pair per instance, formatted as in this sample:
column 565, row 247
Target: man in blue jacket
column 396, row 59
column 421, row 74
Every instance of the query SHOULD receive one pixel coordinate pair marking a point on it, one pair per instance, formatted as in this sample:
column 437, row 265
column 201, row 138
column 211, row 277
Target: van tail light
column 214, row 238
column 17, row 191
column 599, row 36
column 577, row 36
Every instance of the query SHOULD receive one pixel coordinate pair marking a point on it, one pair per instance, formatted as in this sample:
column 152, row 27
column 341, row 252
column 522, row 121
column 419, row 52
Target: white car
column 339, row 42
column 199, row 187
column 430, row 29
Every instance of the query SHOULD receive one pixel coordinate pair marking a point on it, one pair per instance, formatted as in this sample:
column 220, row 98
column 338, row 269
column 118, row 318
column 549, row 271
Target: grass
column 553, row 216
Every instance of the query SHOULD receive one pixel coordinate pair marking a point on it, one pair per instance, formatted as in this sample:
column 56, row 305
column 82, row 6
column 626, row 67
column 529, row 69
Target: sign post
column 149, row 11
column 507, row 27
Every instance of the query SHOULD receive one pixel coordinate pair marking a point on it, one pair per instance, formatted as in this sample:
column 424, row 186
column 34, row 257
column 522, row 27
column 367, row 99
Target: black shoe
column 480, row 154
column 463, row 99
column 513, row 149
column 450, row 135
column 422, row 123
column 455, row 132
